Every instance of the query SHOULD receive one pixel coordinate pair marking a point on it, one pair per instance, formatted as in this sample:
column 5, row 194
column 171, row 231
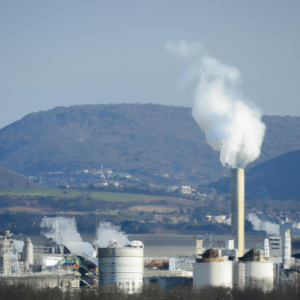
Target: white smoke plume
column 231, row 124
column 258, row 224
column 61, row 229
column 106, row 233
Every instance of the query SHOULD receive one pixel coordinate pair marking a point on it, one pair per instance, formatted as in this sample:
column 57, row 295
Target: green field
column 71, row 193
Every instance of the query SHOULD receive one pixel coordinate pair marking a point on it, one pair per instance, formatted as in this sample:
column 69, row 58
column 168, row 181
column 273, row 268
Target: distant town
column 106, row 177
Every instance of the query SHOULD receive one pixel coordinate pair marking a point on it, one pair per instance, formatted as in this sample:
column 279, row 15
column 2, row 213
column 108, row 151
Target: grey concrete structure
column 42, row 280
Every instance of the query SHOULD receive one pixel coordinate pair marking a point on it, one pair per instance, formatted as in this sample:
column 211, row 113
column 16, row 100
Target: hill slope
column 277, row 178
column 282, row 136
column 9, row 179
column 129, row 137
column 126, row 137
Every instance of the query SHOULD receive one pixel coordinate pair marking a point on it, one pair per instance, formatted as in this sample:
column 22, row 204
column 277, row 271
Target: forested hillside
column 10, row 178
column 127, row 137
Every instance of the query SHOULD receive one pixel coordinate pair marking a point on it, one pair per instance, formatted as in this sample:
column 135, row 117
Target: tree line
column 285, row 291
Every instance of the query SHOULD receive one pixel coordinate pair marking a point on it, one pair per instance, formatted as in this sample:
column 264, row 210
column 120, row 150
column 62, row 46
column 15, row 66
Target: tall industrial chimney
column 238, row 209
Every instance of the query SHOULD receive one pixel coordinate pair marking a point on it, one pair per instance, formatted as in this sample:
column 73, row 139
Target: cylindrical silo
column 28, row 252
column 217, row 273
column 238, row 209
column 122, row 266
column 260, row 274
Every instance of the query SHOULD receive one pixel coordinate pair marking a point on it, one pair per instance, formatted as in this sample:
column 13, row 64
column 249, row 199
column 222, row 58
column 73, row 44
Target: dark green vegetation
column 135, row 227
column 72, row 193
column 12, row 179
column 282, row 136
column 128, row 137
column 26, row 292
column 136, row 213
column 21, row 210
column 25, row 223
column 86, row 223
column 23, row 214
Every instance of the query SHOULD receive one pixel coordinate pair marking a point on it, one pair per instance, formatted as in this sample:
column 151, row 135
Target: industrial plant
column 60, row 258
column 234, row 265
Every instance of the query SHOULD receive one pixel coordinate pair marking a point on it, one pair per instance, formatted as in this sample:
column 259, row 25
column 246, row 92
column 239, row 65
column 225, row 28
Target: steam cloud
column 106, row 233
column 232, row 126
column 258, row 224
column 61, row 229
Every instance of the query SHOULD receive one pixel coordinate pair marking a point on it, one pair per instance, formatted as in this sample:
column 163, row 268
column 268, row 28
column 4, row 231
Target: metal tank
column 28, row 252
column 238, row 209
column 122, row 266
column 259, row 274
column 212, row 273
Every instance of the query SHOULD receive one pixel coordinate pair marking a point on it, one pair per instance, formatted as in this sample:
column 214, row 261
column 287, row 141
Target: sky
column 63, row 53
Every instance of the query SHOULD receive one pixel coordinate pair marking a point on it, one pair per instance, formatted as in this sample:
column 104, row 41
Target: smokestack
column 238, row 209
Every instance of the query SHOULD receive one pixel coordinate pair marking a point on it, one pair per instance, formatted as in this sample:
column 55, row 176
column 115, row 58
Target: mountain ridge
column 129, row 137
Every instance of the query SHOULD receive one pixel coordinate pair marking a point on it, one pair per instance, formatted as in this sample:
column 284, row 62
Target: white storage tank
column 217, row 273
column 260, row 274
column 28, row 252
column 122, row 266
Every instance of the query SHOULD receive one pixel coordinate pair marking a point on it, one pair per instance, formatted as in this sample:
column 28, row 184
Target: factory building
column 273, row 249
column 122, row 266
column 17, row 264
column 275, row 246
column 63, row 262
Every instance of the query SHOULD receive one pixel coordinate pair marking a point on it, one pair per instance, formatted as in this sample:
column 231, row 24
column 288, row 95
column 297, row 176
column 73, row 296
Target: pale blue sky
column 62, row 53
